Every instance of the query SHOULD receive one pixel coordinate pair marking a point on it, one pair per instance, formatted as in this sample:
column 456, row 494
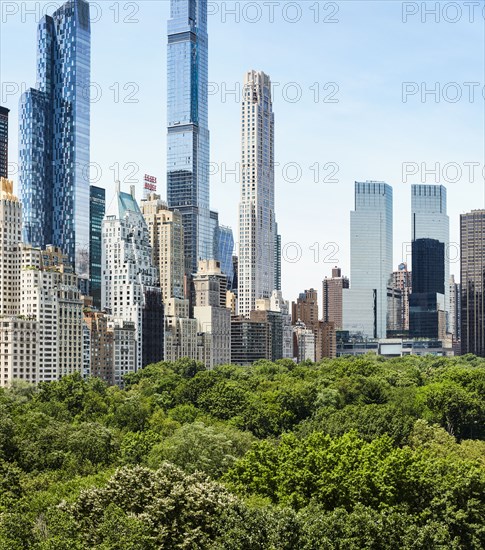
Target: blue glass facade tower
column 4, row 142
column 365, row 303
column 188, row 132
column 96, row 216
column 54, row 137
column 226, row 250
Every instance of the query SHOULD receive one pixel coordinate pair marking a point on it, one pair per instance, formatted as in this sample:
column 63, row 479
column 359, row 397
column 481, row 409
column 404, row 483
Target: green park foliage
column 347, row 454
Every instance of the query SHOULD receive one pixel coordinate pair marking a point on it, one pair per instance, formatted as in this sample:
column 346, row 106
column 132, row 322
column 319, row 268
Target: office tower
column 278, row 303
column 430, row 221
column 365, row 303
column 455, row 308
column 305, row 309
column 180, row 331
column 97, row 211
column 225, row 252
column 101, row 354
column 303, row 343
column 325, row 340
column 4, row 142
column 427, row 318
column 50, row 296
column 130, row 281
column 54, row 137
column 402, row 280
column 249, row 341
column 212, row 315
column 257, row 227
column 188, row 131
column 167, row 242
column 472, row 267
column 332, row 298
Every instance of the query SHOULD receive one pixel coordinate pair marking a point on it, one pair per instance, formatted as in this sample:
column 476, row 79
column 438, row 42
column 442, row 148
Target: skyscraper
column 472, row 268
column 430, row 221
column 97, row 211
column 365, row 303
column 188, row 131
column 427, row 317
column 257, row 227
column 54, row 137
column 4, row 142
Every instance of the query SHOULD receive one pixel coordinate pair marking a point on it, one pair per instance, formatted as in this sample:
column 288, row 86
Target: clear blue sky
column 368, row 133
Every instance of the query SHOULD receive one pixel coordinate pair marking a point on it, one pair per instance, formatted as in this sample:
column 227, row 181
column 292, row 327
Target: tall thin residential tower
column 188, row 131
column 54, row 137
column 257, row 226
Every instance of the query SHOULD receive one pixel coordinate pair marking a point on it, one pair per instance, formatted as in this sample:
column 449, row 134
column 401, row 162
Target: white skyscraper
column 365, row 303
column 257, row 227
column 128, row 275
column 430, row 221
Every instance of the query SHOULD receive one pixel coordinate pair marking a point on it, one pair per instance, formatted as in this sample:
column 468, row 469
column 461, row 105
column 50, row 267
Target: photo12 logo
column 253, row 12
column 446, row 12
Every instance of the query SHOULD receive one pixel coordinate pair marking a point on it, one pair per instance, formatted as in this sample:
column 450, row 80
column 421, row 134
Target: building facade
column 472, row 267
column 4, row 142
column 167, row 241
column 188, row 147
column 97, row 211
column 180, row 331
column 332, row 308
column 402, row 280
column 427, row 314
column 249, row 341
column 50, row 295
column 128, row 276
column 305, row 309
column 365, row 303
column 225, row 253
column 429, row 220
column 303, row 343
column 257, row 224
column 54, row 137
column 212, row 315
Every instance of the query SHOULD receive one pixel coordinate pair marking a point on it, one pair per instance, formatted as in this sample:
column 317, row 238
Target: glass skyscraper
column 426, row 302
column 96, row 216
column 188, row 132
column 54, row 124
column 472, row 268
column 365, row 303
column 226, row 250
column 430, row 221
column 4, row 142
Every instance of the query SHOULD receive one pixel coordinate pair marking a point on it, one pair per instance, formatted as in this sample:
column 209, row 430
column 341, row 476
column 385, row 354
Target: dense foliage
column 347, row 454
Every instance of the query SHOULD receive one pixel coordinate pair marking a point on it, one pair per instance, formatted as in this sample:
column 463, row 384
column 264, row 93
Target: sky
column 385, row 90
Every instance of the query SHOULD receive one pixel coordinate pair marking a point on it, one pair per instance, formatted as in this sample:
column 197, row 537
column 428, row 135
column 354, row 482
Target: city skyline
column 371, row 160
